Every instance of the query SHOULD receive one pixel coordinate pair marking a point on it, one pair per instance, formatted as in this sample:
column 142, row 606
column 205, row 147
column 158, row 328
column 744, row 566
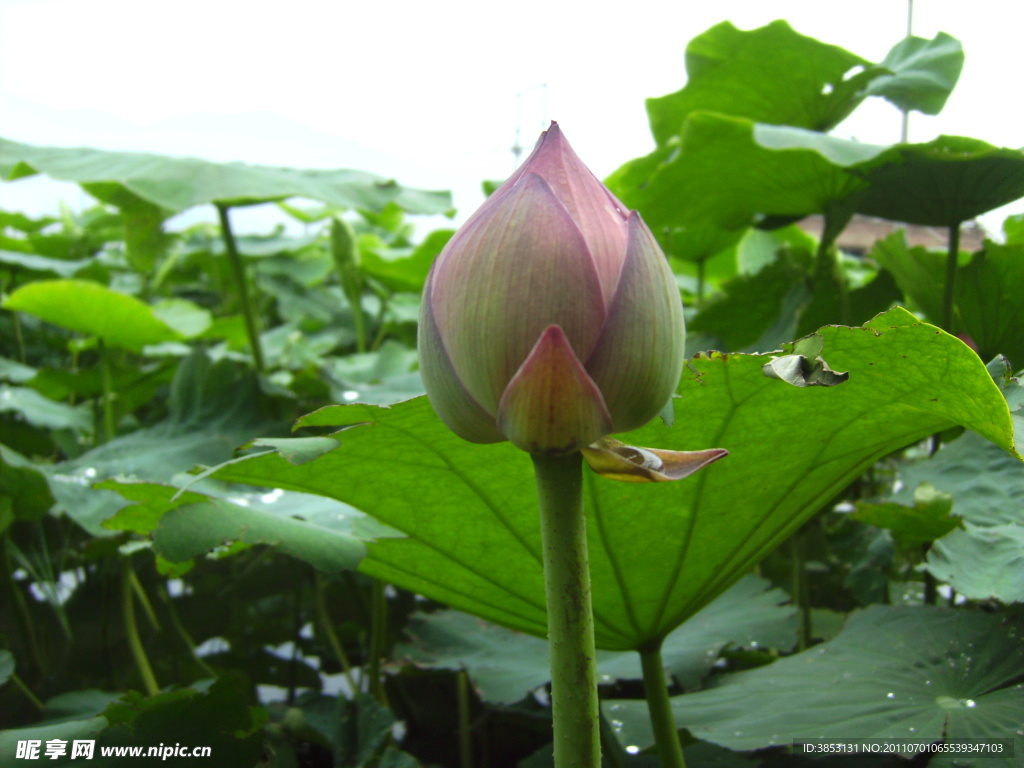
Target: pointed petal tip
column 551, row 405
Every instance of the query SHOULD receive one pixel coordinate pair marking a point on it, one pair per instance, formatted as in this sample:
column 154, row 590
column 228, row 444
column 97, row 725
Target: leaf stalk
column 659, row 707
column 132, row 631
column 238, row 272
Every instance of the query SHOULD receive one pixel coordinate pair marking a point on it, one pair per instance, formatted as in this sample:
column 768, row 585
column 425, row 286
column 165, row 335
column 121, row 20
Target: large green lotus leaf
column 909, row 673
column 990, row 300
column 33, row 262
column 748, row 305
column 115, row 318
column 658, row 552
column 986, row 559
column 15, row 372
column 1013, row 229
column 924, row 73
column 942, row 183
column 771, row 74
column 129, row 179
column 405, row 269
column 212, row 411
column 919, row 272
column 988, row 306
column 24, row 484
column 725, row 170
column 506, row 665
column 219, row 717
column 696, row 243
column 192, row 524
column 776, row 75
column 66, row 730
column 982, row 562
column 928, row 519
column 44, row 412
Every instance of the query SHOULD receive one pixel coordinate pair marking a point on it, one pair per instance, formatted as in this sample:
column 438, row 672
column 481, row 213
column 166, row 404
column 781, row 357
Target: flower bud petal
column 590, row 203
column 551, row 405
column 505, row 278
column 452, row 402
column 639, row 357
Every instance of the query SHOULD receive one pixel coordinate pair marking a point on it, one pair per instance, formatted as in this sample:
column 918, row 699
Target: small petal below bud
column 632, row 464
column 551, row 405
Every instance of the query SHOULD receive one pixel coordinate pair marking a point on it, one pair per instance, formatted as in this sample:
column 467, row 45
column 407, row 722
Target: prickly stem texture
column 577, row 737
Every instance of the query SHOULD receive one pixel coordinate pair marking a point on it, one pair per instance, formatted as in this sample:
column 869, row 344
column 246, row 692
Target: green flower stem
column 378, row 637
column 328, row 629
column 952, row 264
column 238, row 271
column 799, row 590
column 27, row 693
column 147, row 606
column 577, row 738
column 25, row 623
column 19, row 336
column 345, row 251
column 132, row 631
column 109, row 427
column 828, row 261
column 465, row 727
column 931, row 586
column 382, row 325
column 666, row 737
column 184, row 634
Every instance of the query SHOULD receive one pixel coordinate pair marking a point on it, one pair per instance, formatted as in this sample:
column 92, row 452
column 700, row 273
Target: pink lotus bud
column 551, row 319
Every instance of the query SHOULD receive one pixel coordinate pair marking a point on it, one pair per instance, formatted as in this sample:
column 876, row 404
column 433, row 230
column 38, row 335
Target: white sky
column 426, row 91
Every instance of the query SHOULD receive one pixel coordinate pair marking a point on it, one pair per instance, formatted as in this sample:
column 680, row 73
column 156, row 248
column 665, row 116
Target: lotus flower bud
column 551, row 319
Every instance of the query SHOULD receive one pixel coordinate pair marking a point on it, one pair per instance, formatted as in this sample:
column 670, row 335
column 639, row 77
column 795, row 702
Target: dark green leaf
column 924, row 73
column 929, row 519
column 918, row 272
column 219, row 718
column 474, row 541
column 194, row 529
column 365, row 733
column 749, row 305
column 893, row 673
column 128, row 179
column 405, row 269
column 44, row 264
column 68, row 731
column 6, row 666
column 25, row 484
column 985, row 560
column 212, row 411
column 506, row 665
column 771, row 75
column 725, row 170
column 15, row 372
column 43, row 412
column 942, row 183
column 990, row 304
